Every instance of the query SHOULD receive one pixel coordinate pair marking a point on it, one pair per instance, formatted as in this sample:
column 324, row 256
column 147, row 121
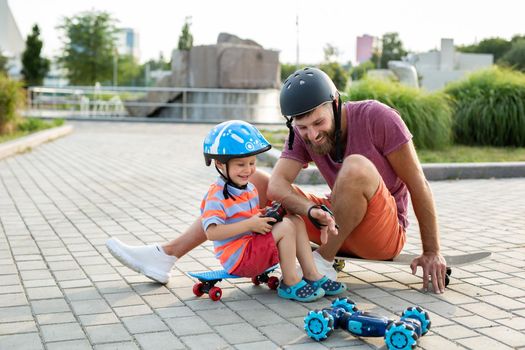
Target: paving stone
column 70, row 345
column 98, row 319
column 134, row 310
column 219, row 316
column 482, row 342
column 28, row 341
column 15, row 314
column 117, row 346
column 18, row 327
column 188, row 325
column 205, row 341
column 59, row 332
column 258, row 345
column 49, row 306
column 59, row 317
column 86, row 307
column 284, row 334
column 239, row 333
column 43, row 293
column 506, row 335
column 144, row 324
column 107, row 333
column 159, row 340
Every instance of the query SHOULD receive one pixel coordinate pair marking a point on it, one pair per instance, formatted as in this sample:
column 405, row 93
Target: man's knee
column 357, row 169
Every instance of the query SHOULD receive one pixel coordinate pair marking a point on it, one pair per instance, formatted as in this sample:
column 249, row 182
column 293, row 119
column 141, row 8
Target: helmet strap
column 228, row 181
column 291, row 133
column 336, row 106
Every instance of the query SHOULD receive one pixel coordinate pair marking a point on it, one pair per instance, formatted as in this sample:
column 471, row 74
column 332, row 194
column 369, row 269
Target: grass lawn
column 452, row 154
column 28, row 126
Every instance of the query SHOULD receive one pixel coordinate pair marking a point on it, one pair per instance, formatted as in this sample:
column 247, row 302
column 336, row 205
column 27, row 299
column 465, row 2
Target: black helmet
column 305, row 90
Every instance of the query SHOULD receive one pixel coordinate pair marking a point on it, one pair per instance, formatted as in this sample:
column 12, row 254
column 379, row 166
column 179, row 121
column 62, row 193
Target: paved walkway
column 61, row 289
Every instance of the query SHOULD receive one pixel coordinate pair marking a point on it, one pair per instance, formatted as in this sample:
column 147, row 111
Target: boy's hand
column 260, row 224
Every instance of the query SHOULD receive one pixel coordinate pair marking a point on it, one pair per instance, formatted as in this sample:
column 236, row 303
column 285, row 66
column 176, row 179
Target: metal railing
column 166, row 102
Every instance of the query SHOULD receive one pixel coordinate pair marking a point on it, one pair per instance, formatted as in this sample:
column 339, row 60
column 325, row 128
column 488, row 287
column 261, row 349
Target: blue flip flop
column 301, row 291
column 330, row 287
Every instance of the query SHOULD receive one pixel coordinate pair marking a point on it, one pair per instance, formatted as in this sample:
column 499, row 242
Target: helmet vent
column 289, row 86
column 302, row 82
column 296, row 75
column 310, row 74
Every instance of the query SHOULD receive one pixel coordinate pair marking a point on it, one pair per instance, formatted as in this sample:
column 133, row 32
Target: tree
column 359, row 72
column 338, row 75
column 392, row 50
column 3, row 64
column 515, row 57
column 495, row 46
column 331, row 53
column 186, row 38
column 34, row 66
column 89, row 47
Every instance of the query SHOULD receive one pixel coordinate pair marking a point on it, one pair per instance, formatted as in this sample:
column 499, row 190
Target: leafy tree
column 3, row 64
column 359, row 72
column 287, row 69
column 515, row 57
column 34, row 66
column 336, row 72
column 89, row 47
column 186, row 38
column 331, row 53
column 392, row 49
column 130, row 73
column 496, row 46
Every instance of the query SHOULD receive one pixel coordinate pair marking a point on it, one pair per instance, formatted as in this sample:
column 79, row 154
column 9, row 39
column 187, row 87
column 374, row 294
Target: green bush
column 489, row 108
column 11, row 98
column 428, row 116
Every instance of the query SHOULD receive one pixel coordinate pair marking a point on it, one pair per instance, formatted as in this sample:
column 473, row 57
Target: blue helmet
column 233, row 139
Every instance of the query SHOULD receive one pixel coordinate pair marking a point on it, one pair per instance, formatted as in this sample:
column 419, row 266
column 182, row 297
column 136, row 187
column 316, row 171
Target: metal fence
column 184, row 104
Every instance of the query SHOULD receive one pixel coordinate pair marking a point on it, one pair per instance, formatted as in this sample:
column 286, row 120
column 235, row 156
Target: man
column 365, row 153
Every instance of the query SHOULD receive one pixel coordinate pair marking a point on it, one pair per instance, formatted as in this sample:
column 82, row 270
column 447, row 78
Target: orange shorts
column 379, row 236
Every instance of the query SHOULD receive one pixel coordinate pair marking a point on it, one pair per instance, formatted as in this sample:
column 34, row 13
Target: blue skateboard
column 208, row 280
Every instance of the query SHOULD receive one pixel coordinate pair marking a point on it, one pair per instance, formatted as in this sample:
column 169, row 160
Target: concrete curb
column 28, row 142
column 433, row 171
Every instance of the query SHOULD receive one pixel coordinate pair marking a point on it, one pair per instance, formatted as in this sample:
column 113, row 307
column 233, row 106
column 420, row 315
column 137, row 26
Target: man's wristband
column 316, row 222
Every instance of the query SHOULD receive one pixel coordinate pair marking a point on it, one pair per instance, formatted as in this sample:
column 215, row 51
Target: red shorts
column 261, row 253
column 379, row 236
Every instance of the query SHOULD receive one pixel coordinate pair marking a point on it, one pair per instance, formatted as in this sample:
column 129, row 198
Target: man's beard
column 328, row 144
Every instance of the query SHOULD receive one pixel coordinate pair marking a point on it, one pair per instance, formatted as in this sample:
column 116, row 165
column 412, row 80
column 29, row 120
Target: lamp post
column 115, row 67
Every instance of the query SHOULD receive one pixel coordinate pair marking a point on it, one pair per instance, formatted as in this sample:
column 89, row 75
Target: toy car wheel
column 197, row 289
column 215, row 293
column 318, row 325
column 255, row 280
column 345, row 303
column 273, row 283
column 339, row 265
column 419, row 314
column 400, row 336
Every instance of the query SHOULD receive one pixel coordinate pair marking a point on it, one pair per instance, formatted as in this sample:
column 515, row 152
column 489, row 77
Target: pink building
column 365, row 47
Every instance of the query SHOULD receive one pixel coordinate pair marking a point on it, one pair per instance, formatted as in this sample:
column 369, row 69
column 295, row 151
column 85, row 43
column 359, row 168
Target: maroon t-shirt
column 373, row 130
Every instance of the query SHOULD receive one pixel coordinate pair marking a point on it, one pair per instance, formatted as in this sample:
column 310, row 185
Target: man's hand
column 435, row 266
column 327, row 221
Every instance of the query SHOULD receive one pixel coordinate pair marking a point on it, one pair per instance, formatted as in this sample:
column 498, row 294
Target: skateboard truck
column 399, row 335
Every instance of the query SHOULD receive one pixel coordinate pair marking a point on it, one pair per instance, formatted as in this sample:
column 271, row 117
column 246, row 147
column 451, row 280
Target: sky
column 272, row 23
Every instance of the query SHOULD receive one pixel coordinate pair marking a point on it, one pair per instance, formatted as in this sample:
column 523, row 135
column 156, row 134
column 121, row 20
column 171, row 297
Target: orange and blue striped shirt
column 215, row 209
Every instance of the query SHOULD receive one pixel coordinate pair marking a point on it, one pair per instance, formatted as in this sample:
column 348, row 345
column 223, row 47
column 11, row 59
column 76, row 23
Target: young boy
column 245, row 242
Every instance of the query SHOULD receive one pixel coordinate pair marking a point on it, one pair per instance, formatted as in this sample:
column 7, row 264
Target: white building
column 437, row 68
column 12, row 43
column 128, row 42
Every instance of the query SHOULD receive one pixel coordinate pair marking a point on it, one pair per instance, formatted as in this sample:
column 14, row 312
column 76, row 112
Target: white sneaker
column 149, row 260
column 324, row 267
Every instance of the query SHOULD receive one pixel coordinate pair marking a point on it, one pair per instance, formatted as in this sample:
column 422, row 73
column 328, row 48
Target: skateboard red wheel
column 215, row 293
column 255, row 280
column 197, row 289
column 273, row 283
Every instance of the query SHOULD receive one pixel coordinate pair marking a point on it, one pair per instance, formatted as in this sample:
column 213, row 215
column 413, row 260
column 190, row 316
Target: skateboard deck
column 208, row 279
column 406, row 259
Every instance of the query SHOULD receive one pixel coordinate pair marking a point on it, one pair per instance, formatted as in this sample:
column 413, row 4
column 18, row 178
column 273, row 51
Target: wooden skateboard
column 208, row 279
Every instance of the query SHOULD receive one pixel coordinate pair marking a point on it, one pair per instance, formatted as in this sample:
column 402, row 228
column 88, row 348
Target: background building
column 437, row 68
column 366, row 45
column 128, row 42
column 12, row 43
